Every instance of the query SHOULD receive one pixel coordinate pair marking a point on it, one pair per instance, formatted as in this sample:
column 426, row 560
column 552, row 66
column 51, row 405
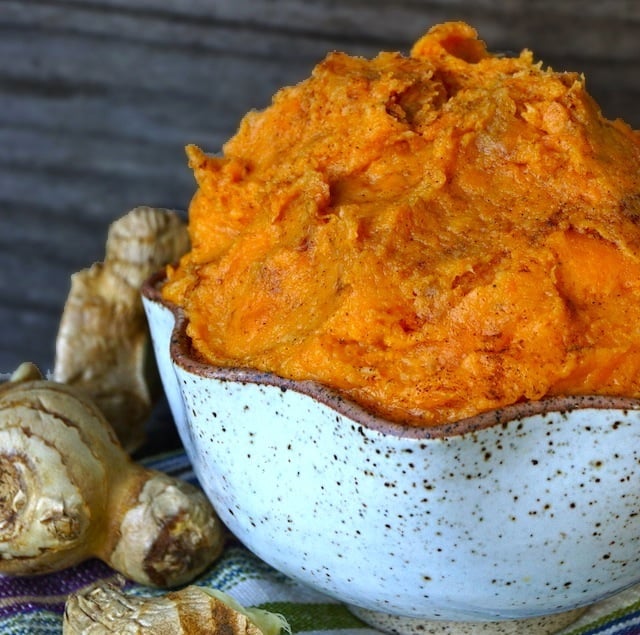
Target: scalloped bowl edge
column 525, row 511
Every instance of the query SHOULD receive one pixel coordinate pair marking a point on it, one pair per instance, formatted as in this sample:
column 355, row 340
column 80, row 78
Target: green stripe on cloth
column 314, row 617
column 596, row 625
column 34, row 607
column 37, row 623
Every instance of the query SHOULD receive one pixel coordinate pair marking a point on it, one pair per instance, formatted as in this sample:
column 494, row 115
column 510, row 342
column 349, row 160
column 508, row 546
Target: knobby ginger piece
column 435, row 235
column 103, row 344
column 69, row 492
column 193, row 610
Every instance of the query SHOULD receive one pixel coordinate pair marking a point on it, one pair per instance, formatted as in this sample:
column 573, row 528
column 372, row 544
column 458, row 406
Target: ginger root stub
column 70, row 492
column 436, row 234
column 192, row 610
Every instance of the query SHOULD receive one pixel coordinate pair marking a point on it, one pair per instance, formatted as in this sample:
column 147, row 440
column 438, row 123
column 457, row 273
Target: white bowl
column 528, row 511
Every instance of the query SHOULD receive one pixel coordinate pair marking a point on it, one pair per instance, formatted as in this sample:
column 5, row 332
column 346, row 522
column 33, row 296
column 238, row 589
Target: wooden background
column 99, row 97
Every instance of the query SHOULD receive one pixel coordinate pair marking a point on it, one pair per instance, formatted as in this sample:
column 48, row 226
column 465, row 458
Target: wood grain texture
column 99, row 97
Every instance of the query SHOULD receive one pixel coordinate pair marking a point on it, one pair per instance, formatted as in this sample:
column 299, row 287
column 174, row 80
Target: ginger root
column 69, row 491
column 103, row 343
column 193, row 610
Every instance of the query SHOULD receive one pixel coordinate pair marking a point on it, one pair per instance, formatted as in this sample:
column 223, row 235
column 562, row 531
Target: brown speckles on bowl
column 527, row 511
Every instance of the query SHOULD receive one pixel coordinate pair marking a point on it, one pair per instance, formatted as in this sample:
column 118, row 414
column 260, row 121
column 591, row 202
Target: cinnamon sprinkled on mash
column 435, row 235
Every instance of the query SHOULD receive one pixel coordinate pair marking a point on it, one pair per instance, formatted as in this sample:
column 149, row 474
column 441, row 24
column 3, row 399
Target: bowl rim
column 183, row 354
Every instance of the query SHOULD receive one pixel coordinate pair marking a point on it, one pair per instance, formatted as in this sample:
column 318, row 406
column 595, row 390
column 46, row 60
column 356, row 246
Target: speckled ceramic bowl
column 526, row 513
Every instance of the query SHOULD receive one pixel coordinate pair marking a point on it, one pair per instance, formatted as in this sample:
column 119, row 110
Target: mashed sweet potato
column 435, row 234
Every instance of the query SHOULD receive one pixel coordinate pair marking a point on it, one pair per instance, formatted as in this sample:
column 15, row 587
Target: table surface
column 99, row 97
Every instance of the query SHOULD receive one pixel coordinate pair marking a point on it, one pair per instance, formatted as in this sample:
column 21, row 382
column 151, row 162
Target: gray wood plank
column 99, row 97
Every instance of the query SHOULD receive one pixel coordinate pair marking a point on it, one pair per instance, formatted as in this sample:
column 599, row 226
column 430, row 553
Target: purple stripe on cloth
column 31, row 593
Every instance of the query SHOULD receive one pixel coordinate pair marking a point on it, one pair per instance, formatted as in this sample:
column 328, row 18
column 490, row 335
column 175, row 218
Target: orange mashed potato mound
column 434, row 235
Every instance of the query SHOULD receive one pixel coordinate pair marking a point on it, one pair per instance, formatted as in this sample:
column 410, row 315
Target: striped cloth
column 34, row 606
